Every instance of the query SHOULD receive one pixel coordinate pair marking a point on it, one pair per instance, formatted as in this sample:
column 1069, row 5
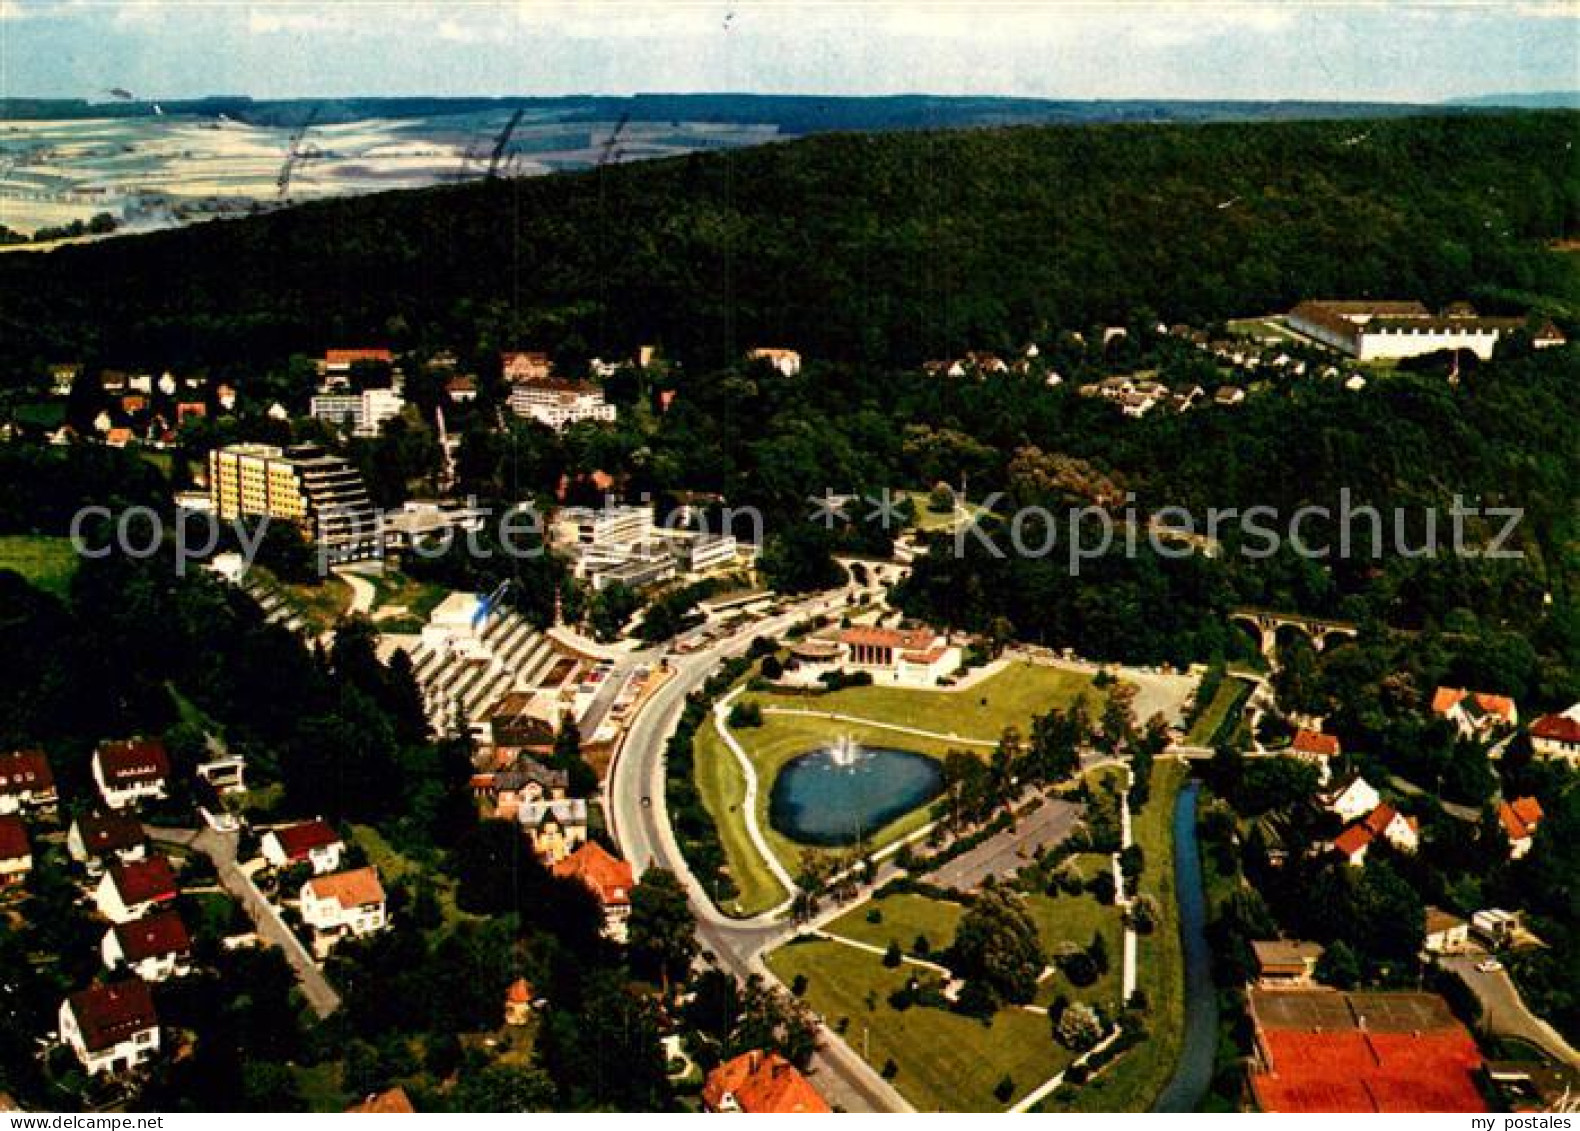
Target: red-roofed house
column 154, row 948
column 1316, row 748
column 16, row 855
column 311, row 842
column 1403, row 832
column 342, row 905
column 393, row 1101
column 607, row 877
column 111, row 1028
column 1474, row 714
column 761, row 1082
column 1352, row 844
column 340, row 361
column 1558, row 736
column 131, row 771
column 518, row 1002
column 26, row 782
column 525, row 365
column 130, row 891
column 1351, row 799
column 95, row 837
column 1520, row 819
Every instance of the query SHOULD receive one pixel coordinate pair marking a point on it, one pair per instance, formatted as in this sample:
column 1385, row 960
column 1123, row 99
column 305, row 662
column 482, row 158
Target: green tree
column 661, row 931
column 997, row 945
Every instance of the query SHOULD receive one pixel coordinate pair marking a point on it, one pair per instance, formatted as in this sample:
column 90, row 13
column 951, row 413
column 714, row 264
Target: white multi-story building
column 111, row 1028
column 362, row 413
column 559, row 404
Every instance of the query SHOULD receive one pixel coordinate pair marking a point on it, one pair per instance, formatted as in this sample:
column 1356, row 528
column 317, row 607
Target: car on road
column 1490, row 966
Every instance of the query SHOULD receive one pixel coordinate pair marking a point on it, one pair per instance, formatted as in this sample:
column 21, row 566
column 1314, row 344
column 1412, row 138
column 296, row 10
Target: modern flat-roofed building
column 559, row 404
column 363, row 414
column 321, row 493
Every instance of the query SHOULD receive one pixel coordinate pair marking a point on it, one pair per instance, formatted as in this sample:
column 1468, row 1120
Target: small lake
column 833, row 799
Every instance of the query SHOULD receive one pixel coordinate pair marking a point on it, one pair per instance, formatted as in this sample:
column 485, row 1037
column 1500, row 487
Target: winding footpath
column 749, row 803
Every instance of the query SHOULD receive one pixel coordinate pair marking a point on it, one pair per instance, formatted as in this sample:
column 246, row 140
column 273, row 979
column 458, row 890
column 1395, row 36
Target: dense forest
column 890, row 248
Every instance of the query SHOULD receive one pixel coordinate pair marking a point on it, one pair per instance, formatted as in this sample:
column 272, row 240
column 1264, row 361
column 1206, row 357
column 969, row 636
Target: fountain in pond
column 844, row 752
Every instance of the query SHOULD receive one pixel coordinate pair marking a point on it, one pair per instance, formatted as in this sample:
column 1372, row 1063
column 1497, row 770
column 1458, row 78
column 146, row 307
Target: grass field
column 946, row 1062
column 401, row 604
column 45, row 562
column 723, row 790
column 1134, row 1081
column 904, row 918
column 1008, row 698
column 1072, row 920
column 1229, row 698
column 394, row 866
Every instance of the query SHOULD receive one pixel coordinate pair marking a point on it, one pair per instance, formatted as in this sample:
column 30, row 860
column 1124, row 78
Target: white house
column 16, row 855
column 787, row 362
column 154, row 948
column 1474, row 714
column 95, row 838
column 130, row 891
column 111, row 1028
column 1445, row 933
column 311, row 842
column 26, row 782
column 914, row 657
column 1558, row 736
column 130, row 772
column 1520, row 819
column 341, row 905
column 1351, row 799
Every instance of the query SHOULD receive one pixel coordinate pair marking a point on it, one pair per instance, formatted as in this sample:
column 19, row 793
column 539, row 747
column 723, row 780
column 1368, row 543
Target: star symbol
column 828, row 510
column 885, row 509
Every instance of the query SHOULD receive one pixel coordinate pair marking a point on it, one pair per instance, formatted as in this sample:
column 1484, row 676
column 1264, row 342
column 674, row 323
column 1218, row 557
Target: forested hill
column 890, row 247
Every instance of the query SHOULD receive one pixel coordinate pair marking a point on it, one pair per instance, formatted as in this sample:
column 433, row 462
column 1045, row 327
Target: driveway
column 320, row 995
column 1504, row 1012
column 1013, row 848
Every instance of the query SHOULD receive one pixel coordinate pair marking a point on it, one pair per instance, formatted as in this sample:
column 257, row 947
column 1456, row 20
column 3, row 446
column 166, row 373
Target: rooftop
column 108, row 1015
column 357, row 888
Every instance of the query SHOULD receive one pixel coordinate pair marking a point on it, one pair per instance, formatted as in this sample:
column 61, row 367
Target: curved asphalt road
column 635, row 802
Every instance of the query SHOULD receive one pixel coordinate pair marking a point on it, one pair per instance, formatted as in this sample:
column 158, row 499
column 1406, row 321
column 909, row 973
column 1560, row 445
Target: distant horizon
column 1423, row 52
column 149, row 99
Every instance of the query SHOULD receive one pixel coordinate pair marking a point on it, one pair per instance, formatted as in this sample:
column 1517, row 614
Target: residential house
column 1351, row 799
column 130, row 891
column 131, row 771
column 1445, row 933
column 555, row 827
column 311, row 842
column 393, row 1101
column 26, row 782
column 518, row 1002
column 462, row 388
column 97, row 838
column 1558, row 736
column 607, row 877
column 1317, row 749
column 522, row 366
column 154, row 948
column 1352, row 844
column 787, row 362
column 761, row 1082
column 1496, row 927
column 1387, row 823
column 1286, row 965
column 1520, row 819
column 1474, row 714
column 16, row 854
column 111, row 1028
column 344, row 904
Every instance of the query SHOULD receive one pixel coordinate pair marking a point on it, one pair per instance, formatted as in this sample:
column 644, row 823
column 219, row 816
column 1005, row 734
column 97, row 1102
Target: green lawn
column 401, row 604
column 1229, row 698
column 929, row 520
column 395, row 866
column 723, row 790
column 1009, row 698
column 1063, row 920
column 946, row 1062
column 45, row 562
column 904, row 917
column 1134, row 1081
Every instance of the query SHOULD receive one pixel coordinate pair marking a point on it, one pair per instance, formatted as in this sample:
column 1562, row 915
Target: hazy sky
column 1118, row 49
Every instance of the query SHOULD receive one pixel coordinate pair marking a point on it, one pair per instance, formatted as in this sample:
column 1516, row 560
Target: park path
column 320, row 995
column 749, row 802
column 362, row 592
column 898, row 728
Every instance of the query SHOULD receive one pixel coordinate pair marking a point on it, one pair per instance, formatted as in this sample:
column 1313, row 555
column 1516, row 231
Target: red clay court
column 1364, row 1052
